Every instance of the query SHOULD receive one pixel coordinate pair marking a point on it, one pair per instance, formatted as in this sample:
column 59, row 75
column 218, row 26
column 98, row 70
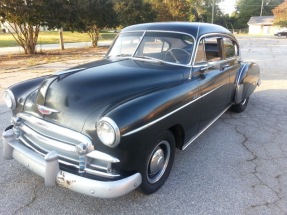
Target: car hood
column 76, row 94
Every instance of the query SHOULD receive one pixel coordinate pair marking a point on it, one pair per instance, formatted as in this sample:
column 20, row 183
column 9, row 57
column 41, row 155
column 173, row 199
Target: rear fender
column 247, row 78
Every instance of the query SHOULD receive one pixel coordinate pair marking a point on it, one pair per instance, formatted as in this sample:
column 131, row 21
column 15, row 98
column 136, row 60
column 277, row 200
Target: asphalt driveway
column 238, row 166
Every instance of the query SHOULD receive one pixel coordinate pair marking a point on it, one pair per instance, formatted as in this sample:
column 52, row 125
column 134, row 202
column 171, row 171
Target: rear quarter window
column 230, row 48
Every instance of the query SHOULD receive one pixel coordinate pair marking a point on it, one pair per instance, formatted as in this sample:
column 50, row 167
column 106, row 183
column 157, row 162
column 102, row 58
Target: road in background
column 238, row 166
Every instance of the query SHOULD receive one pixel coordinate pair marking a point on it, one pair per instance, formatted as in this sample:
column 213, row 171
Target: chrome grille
column 43, row 137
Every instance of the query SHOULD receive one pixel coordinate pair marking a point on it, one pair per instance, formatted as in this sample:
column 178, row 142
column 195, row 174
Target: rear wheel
column 158, row 163
column 238, row 108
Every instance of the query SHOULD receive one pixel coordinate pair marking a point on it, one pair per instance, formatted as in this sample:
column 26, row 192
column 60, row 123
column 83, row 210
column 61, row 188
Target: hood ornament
column 45, row 110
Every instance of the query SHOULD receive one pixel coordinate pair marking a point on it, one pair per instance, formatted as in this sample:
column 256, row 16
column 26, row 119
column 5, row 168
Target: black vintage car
column 281, row 33
column 105, row 128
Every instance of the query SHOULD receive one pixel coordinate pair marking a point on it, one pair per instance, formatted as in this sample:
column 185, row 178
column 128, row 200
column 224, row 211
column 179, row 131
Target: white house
column 262, row 25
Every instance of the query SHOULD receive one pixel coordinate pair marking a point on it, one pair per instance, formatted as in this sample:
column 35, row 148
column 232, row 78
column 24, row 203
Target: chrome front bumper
column 48, row 168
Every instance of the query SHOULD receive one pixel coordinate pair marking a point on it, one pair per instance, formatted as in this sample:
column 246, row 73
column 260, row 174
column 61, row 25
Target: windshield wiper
column 123, row 55
column 149, row 58
column 119, row 55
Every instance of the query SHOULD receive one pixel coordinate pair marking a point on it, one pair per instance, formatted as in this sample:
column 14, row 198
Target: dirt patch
column 17, row 61
column 19, row 67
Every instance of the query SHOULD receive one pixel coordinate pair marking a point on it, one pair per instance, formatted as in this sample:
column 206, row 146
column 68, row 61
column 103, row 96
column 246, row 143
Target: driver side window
column 208, row 50
column 155, row 46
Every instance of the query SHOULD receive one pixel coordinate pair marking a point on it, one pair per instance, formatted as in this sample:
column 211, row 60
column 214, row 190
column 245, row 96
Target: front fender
column 23, row 89
column 247, row 78
column 147, row 110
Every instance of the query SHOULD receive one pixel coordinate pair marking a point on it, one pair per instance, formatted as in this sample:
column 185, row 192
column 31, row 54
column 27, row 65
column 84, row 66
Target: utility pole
column 261, row 8
column 212, row 18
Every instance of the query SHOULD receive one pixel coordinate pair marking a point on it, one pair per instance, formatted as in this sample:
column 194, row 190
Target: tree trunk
column 61, row 38
column 94, row 34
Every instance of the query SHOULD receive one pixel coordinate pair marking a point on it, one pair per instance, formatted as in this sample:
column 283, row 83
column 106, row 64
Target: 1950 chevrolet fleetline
column 108, row 127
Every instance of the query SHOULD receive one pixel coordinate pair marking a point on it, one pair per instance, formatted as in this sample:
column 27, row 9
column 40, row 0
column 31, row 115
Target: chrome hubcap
column 158, row 162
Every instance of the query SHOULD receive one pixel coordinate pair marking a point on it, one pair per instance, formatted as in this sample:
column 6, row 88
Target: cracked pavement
column 238, row 166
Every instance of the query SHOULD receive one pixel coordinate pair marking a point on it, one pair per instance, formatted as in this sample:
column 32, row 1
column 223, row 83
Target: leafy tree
column 185, row 10
column 206, row 16
column 280, row 13
column 134, row 11
column 25, row 19
column 91, row 16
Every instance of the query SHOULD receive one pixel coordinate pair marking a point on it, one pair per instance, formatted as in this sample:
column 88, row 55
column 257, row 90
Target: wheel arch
column 179, row 134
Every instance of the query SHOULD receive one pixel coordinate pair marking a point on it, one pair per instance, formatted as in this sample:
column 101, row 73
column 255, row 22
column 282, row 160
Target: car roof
column 196, row 29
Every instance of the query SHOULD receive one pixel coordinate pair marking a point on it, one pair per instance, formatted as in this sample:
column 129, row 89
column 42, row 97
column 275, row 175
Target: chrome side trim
column 239, row 75
column 204, row 129
column 167, row 115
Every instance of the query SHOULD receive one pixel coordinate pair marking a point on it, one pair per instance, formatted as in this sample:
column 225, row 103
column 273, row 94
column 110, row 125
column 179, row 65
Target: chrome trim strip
column 136, row 49
column 159, row 119
column 57, row 129
column 204, row 129
column 239, row 75
column 102, row 156
column 101, row 174
column 172, row 112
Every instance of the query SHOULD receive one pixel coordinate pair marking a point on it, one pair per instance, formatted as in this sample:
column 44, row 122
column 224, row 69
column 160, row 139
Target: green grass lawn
column 7, row 40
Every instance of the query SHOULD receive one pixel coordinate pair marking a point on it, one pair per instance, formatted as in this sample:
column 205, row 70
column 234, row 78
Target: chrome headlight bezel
column 108, row 132
column 9, row 99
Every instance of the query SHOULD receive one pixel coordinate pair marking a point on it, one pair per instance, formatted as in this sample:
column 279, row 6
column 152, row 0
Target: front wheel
column 158, row 163
column 238, row 108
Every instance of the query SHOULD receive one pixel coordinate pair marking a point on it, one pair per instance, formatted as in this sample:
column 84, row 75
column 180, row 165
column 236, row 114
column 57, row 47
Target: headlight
column 10, row 99
column 108, row 132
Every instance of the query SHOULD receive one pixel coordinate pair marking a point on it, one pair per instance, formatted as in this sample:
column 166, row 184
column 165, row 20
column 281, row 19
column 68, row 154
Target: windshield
column 159, row 46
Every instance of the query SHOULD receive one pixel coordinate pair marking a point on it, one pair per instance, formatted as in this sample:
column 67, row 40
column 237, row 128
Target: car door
column 214, row 79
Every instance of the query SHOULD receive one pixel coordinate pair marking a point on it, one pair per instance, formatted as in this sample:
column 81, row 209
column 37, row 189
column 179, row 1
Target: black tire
column 238, row 108
column 162, row 153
